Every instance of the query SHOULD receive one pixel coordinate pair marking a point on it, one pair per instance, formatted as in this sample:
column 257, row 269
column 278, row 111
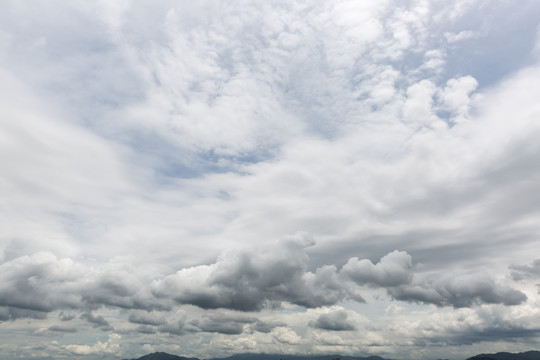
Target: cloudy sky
column 216, row 177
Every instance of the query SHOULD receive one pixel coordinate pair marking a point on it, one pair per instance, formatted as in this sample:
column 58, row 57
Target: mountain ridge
column 527, row 355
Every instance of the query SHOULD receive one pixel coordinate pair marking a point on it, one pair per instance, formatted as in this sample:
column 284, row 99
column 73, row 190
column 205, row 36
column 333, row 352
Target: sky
column 208, row 178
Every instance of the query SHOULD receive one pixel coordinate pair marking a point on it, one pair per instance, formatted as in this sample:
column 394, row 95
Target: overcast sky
column 216, row 177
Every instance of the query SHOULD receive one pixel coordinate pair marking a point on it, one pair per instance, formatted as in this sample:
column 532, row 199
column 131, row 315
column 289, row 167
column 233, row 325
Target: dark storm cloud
column 520, row 272
column 458, row 292
column 334, row 321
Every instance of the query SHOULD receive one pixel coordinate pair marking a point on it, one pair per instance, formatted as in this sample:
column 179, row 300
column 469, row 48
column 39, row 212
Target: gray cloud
column 61, row 328
column 146, row 318
column 119, row 288
column 264, row 326
column 66, row 316
column 520, row 272
column 146, row 329
column 40, row 283
column 229, row 324
column 8, row 313
column 97, row 321
column 458, row 292
column 246, row 281
column 393, row 269
column 177, row 328
column 334, row 321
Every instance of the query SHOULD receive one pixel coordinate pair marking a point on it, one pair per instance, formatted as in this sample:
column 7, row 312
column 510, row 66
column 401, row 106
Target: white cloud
column 172, row 144
column 110, row 346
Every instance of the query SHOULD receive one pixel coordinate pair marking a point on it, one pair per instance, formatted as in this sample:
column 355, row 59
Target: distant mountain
column 163, row 356
column 296, row 357
column 529, row 355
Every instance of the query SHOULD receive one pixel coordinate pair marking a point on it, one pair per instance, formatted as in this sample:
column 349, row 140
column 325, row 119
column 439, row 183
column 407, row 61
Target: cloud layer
column 154, row 159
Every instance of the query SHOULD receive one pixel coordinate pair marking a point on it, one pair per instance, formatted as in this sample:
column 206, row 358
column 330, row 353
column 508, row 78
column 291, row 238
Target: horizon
column 214, row 178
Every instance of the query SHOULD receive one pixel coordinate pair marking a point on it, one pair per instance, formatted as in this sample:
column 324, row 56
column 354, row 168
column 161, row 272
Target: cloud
column 264, row 326
column 458, row 292
column 393, row 269
column 224, row 324
column 333, row 321
column 140, row 144
column 66, row 316
column 111, row 346
column 286, row 335
column 247, row 280
column 40, row 282
column 8, row 313
column 61, row 328
column 146, row 318
column 520, row 272
column 97, row 321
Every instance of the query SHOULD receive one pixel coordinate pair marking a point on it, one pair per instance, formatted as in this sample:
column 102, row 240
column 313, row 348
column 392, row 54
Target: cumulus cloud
column 458, row 292
column 40, row 282
column 247, row 280
column 265, row 326
column 520, row 272
column 111, row 346
column 393, row 269
column 97, row 321
column 286, row 335
column 334, row 321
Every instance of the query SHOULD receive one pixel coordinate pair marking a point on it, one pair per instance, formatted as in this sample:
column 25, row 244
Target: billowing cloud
column 520, row 272
column 97, row 321
column 247, row 280
column 334, row 321
column 393, row 269
column 111, row 346
column 458, row 291
column 40, row 282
